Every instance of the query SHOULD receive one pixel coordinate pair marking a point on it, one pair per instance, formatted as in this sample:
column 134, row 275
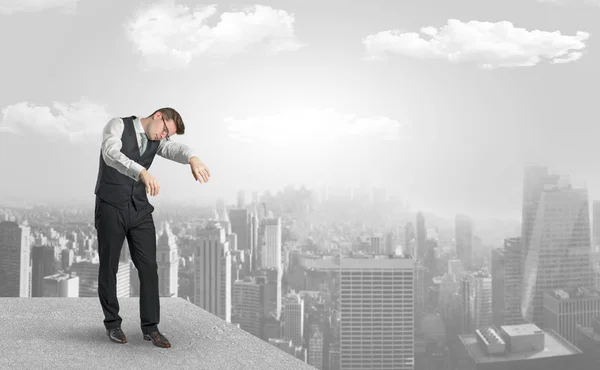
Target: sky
column 442, row 103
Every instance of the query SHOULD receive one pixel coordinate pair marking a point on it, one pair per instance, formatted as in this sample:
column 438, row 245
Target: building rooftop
column 590, row 333
column 575, row 293
column 523, row 329
column 555, row 345
column 364, row 262
column 68, row 333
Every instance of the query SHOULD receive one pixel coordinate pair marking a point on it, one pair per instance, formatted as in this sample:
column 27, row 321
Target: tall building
column 240, row 225
column 271, row 250
column 559, row 251
column 409, row 237
column 376, row 245
column 421, row 237
column 389, row 244
column 254, row 237
column 272, row 293
column 466, row 309
column 463, row 231
column 212, row 271
column 564, row 310
column 241, row 199
column 247, row 304
column 512, row 281
column 596, row 226
column 498, row 290
column 480, row 299
column 377, row 313
column 15, row 269
column 42, row 265
column 293, row 319
column 315, row 348
column 168, row 263
column 534, row 180
column 420, row 293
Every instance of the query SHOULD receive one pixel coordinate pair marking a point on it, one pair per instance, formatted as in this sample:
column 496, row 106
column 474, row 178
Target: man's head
column 164, row 123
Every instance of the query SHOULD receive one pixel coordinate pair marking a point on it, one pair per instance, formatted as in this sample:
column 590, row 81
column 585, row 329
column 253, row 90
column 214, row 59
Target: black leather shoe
column 116, row 335
column 158, row 339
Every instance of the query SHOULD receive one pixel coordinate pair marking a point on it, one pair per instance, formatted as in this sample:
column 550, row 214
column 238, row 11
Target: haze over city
column 321, row 93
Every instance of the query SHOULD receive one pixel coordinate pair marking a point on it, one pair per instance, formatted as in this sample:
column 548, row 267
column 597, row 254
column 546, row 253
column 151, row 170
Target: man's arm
column 175, row 151
column 111, row 150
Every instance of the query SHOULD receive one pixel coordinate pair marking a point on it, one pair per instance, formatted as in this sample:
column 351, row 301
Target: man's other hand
column 152, row 186
column 199, row 170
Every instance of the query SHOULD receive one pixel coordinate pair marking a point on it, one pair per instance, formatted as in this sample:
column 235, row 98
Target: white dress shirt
column 111, row 148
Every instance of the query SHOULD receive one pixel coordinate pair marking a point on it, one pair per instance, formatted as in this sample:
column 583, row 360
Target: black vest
column 118, row 189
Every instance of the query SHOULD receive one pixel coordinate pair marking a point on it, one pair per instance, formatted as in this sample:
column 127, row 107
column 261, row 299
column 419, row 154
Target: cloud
column 295, row 127
column 489, row 45
column 169, row 36
column 77, row 122
column 9, row 7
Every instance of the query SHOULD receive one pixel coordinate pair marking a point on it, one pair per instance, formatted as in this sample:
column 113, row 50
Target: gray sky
column 441, row 102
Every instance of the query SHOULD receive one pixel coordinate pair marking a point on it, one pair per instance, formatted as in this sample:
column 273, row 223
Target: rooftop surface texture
column 68, row 333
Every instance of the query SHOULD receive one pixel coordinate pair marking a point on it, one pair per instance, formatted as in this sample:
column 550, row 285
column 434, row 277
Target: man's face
column 160, row 128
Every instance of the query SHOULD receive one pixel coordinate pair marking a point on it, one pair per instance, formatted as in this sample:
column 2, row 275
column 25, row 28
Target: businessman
column 122, row 210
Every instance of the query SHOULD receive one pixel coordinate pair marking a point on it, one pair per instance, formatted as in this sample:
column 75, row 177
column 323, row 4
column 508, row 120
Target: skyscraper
column 421, row 237
column 557, row 246
column 512, row 281
column 15, row 249
column 463, row 231
column 271, row 250
column 212, row 272
column 480, row 299
column 377, row 313
column 168, row 263
column 293, row 319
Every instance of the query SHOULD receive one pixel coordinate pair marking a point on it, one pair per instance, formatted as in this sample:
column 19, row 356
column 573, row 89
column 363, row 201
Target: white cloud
column 489, row 45
column 9, row 7
column 169, row 35
column 78, row 122
column 313, row 127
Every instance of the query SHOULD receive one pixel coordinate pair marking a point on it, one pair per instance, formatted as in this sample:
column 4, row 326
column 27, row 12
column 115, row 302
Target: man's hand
column 199, row 170
column 152, row 186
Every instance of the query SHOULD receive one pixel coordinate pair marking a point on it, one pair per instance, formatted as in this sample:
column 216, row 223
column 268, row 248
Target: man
column 129, row 145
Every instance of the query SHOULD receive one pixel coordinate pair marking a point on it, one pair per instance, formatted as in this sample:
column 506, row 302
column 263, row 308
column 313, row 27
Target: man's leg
column 110, row 227
column 142, row 245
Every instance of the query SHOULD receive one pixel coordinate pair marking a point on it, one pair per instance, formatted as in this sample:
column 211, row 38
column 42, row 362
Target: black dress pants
column 113, row 225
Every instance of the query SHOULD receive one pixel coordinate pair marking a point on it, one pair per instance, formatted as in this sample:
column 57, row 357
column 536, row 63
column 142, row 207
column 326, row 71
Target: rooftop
column 523, row 329
column 67, row 333
column 358, row 261
column 555, row 345
column 575, row 293
column 590, row 333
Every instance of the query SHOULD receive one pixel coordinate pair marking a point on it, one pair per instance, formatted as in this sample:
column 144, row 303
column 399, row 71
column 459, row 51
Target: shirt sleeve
column 175, row 151
column 111, row 150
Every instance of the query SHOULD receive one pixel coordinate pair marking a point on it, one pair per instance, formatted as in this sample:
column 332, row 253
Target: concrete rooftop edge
column 68, row 333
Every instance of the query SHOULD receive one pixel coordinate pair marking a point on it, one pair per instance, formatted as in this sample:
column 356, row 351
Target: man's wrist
column 192, row 157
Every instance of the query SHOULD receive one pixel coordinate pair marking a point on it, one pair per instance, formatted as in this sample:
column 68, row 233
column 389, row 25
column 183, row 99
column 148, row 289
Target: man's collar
column 137, row 123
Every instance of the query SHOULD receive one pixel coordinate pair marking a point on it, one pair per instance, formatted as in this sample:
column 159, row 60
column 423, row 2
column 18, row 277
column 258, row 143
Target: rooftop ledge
column 68, row 333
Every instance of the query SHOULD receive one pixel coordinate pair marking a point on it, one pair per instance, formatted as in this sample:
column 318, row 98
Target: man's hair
column 170, row 113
